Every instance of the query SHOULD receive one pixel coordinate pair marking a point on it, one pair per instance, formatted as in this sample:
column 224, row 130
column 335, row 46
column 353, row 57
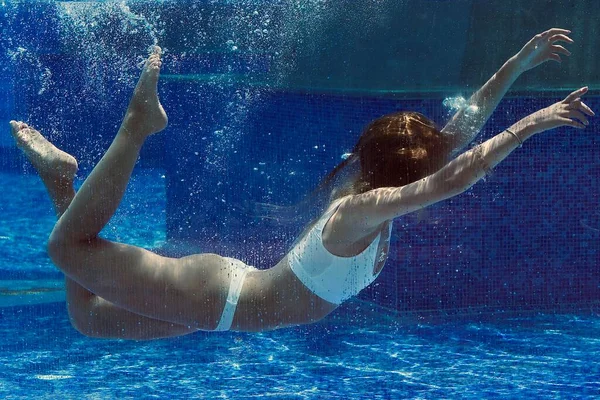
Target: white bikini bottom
column 238, row 275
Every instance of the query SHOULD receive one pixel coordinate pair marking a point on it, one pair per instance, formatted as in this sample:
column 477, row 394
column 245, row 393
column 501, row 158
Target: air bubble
column 472, row 109
column 455, row 103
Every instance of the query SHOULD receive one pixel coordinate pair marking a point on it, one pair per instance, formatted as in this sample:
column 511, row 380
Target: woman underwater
column 119, row 291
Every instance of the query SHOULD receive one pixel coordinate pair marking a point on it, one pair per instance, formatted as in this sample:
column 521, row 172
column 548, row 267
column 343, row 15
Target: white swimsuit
column 333, row 278
column 238, row 276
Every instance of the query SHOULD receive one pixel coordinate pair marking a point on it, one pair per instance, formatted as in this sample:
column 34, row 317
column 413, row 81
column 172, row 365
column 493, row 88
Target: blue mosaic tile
column 524, row 238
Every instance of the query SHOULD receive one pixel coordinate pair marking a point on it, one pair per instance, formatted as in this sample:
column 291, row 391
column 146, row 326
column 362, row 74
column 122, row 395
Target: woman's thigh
column 189, row 291
column 96, row 317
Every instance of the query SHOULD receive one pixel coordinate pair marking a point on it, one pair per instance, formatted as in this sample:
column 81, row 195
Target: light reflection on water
column 380, row 356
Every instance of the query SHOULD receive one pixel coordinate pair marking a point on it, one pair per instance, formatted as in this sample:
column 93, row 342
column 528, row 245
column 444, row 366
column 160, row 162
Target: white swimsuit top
column 334, row 278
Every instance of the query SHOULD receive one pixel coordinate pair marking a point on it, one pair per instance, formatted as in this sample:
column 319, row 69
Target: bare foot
column 145, row 114
column 54, row 165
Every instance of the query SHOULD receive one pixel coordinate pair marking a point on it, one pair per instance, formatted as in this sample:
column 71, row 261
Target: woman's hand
column 543, row 48
column 569, row 112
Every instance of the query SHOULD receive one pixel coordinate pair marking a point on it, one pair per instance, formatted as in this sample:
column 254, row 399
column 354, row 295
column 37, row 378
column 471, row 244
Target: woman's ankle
column 131, row 132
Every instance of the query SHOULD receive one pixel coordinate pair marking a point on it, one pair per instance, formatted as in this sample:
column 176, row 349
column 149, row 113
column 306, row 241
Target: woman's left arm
column 468, row 121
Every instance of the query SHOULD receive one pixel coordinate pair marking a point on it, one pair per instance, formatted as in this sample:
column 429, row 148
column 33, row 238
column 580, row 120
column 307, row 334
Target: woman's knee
column 80, row 321
column 60, row 246
column 57, row 248
column 80, row 308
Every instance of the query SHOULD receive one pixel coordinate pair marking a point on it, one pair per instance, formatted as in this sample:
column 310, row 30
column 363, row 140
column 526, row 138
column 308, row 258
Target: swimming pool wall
column 524, row 239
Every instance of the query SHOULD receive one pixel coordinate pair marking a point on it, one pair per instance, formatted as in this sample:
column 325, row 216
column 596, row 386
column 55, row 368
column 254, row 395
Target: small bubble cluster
column 457, row 103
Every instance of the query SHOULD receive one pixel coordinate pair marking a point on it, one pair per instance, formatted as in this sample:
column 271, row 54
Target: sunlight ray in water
column 486, row 290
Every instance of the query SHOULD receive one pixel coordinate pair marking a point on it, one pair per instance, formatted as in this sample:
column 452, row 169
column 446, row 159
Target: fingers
column 556, row 31
column 579, row 115
column 556, row 48
column 555, row 57
column 571, row 122
column 560, row 38
column 575, row 95
column 550, row 37
column 578, row 104
column 587, row 110
column 576, row 110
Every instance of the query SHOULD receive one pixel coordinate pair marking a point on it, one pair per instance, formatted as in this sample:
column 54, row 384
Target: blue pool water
column 369, row 356
column 361, row 351
column 491, row 294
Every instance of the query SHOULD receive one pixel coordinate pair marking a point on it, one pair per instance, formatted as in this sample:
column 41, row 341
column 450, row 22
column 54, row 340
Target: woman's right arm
column 470, row 167
column 363, row 213
column 468, row 121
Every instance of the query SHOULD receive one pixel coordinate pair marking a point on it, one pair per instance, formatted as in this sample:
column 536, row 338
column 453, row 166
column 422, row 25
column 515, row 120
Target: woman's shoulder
column 343, row 233
column 333, row 207
column 359, row 213
column 341, row 218
column 338, row 202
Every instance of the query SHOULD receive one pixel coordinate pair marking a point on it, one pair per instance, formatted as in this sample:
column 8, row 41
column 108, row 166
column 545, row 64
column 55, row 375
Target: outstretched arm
column 468, row 121
column 362, row 214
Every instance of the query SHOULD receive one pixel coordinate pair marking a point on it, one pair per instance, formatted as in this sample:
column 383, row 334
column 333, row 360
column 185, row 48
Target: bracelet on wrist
column 515, row 135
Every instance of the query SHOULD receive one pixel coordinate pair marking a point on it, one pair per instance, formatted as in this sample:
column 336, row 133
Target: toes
column 156, row 53
column 153, row 62
column 155, row 65
column 17, row 126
